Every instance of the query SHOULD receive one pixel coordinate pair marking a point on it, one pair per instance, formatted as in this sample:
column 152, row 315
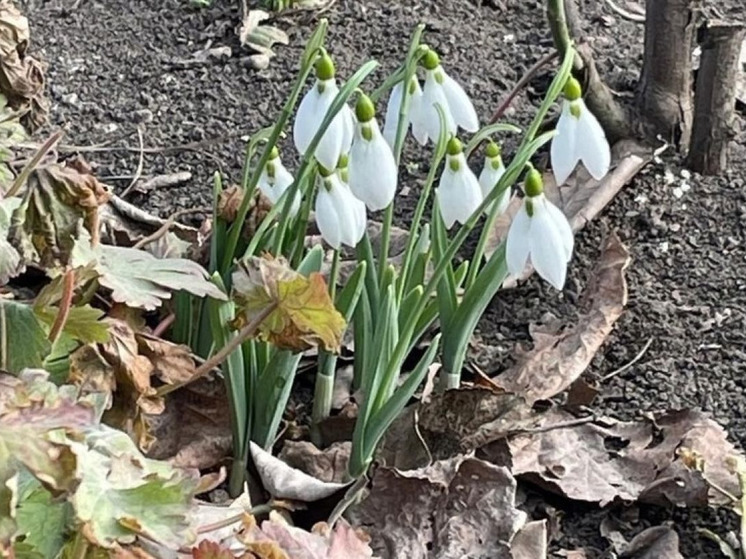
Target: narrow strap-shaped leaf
column 384, row 417
column 312, row 261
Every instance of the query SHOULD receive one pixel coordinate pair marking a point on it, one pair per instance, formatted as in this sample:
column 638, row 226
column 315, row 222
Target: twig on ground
column 259, row 509
column 623, row 368
column 562, row 425
column 42, row 150
column 163, row 181
column 636, row 17
column 65, row 303
column 163, row 229
column 521, row 84
column 140, row 161
column 164, row 325
column 245, row 333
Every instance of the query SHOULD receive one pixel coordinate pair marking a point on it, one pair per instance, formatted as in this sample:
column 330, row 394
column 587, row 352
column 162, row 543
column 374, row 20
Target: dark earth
column 115, row 65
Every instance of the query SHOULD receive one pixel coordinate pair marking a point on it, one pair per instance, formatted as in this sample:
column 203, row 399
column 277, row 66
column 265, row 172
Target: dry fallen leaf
column 59, row 202
column 659, row 542
column 603, row 461
column 276, row 539
column 558, row 359
column 21, row 76
column 329, row 464
column 304, row 314
column 455, row 421
column 284, row 482
column 124, row 367
column 461, row 507
column 531, row 541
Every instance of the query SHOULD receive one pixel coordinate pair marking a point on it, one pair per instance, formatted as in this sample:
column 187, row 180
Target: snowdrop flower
column 311, row 111
column 275, row 180
column 458, row 191
column 441, row 89
column 339, row 215
column 372, row 167
column 541, row 232
column 579, row 138
column 414, row 93
column 491, row 173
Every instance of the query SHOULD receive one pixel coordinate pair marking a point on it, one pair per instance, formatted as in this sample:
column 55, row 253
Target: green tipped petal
column 324, row 68
column 344, row 160
column 365, row 110
column 572, row 90
column 274, row 153
column 534, row 184
column 324, row 172
column 454, row 146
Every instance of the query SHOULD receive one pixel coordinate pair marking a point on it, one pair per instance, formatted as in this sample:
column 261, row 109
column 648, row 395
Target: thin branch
column 163, row 229
column 164, row 325
column 628, row 365
column 140, row 161
column 521, row 84
column 561, row 425
column 68, row 288
column 245, row 333
column 637, row 18
column 24, row 174
column 259, row 509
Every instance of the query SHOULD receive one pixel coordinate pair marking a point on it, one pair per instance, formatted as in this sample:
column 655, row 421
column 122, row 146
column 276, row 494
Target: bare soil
column 115, row 65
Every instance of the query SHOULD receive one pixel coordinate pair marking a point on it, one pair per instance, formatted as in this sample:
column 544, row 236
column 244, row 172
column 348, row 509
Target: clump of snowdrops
column 351, row 151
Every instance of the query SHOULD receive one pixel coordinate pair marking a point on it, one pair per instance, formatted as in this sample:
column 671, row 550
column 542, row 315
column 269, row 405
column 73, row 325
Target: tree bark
column 715, row 100
column 564, row 21
column 665, row 91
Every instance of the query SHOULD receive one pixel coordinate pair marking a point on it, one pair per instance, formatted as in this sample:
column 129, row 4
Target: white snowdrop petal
column 489, row 176
column 459, row 194
column 548, row 254
column 372, row 169
column 327, row 219
column 306, row 119
column 517, row 245
column 461, row 107
column 592, row 145
column 392, row 114
column 348, row 118
column 563, row 228
column 265, row 186
column 361, row 220
column 503, row 201
column 563, row 152
column 448, row 199
column 427, row 114
column 416, row 108
column 351, row 213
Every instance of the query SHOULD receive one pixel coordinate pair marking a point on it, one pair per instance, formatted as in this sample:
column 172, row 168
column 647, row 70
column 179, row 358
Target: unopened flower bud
column 431, row 60
column 324, row 67
column 364, row 109
column 534, row 184
column 572, row 90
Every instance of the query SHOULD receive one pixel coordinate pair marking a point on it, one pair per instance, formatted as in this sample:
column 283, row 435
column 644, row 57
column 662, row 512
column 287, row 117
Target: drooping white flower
column 441, row 89
column 311, row 112
column 340, row 216
column 372, row 167
column 458, row 192
column 414, row 93
column 539, row 232
column 275, row 179
column 491, row 173
column 579, row 138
